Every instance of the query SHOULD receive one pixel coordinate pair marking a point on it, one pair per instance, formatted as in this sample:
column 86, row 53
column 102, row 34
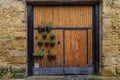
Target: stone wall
column 110, row 38
column 13, row 37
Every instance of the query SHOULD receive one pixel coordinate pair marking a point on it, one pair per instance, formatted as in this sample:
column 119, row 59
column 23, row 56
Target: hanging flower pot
column 48, row 26
column 49, row 56
column 36, row 55
column 44, row 35
column 41, row 54
column 54, row 56
column 40, row 42
column 52, row 43
column 39, row 29
column 52, row 35
column 42, row 29
column 46, row 43
column 48, row 29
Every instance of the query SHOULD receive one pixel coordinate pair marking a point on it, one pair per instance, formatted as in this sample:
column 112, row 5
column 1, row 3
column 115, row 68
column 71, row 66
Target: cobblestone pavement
column 68, row 77
column 73, row 77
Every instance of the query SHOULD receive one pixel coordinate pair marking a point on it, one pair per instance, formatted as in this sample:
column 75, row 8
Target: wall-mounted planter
column 52, row 35
column 36, row 55
column 40, row 43
column 39, row 29
column 49, row 56
column 52, row 43
column 46, row 43
column 42, row 29
column 44, row 35
column 54, row 55
column 48, row 29
column 41, row 54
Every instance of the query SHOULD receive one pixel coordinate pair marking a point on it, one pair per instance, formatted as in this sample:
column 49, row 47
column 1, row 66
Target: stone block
column 20, row 34
column 107, row 10
column 19, row 6
column 109, row 51
column 108, row 61
column 20, row 60
column 19, row 75
column 108, row 71
column 16, row 53
column 118, row 69
column 106, row 42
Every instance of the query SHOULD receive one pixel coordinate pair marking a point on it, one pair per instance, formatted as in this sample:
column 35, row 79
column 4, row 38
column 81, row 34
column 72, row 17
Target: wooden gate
column 72, row 52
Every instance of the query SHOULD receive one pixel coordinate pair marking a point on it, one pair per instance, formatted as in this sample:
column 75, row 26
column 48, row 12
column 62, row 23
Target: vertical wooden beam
column 96, row 39
column 30, row 47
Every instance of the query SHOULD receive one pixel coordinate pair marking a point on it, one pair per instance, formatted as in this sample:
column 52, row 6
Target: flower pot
column 39, row 30
column 42, row 29
column 53, row 56
column 46, row 43
column 44, row 36
column 35, row 57
column 52, row 43
column 40, row 43
column 52, row 37
column 49, row 56
column 48, row 29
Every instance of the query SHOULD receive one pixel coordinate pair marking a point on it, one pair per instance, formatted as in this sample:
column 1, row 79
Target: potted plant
column 39, row 29
column 41, row 53
column 40, row 42
column 49, row 56
column 52, row 35
column 35, row 55
column 48, row 27
column 52, row 43
column 44, row 35
column 46, row 43
column 42, row 29
column 54, row 55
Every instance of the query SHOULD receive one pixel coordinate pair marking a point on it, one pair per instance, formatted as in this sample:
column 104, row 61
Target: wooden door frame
column 95, row 38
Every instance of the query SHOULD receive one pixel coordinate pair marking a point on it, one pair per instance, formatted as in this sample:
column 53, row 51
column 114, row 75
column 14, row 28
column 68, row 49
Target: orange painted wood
column 63, row 16
column 58, row 49
column 75, row 40
column 75, row 45
column 90, row 48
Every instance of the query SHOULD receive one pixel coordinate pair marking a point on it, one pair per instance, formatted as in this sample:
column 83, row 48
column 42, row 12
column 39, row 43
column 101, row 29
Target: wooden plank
column 82, row 47
column 63, row 2
column 63, row 16
column 90, row 48
column 75, row 48
column 29, row 40
column 57, row 71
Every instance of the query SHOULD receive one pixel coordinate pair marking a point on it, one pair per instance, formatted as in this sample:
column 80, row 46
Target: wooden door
column 78, row 51
column 72, row 26
column 78, row 48
column 75, row 48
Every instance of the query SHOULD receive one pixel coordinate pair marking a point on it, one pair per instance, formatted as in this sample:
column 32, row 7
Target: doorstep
column 72, row 77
